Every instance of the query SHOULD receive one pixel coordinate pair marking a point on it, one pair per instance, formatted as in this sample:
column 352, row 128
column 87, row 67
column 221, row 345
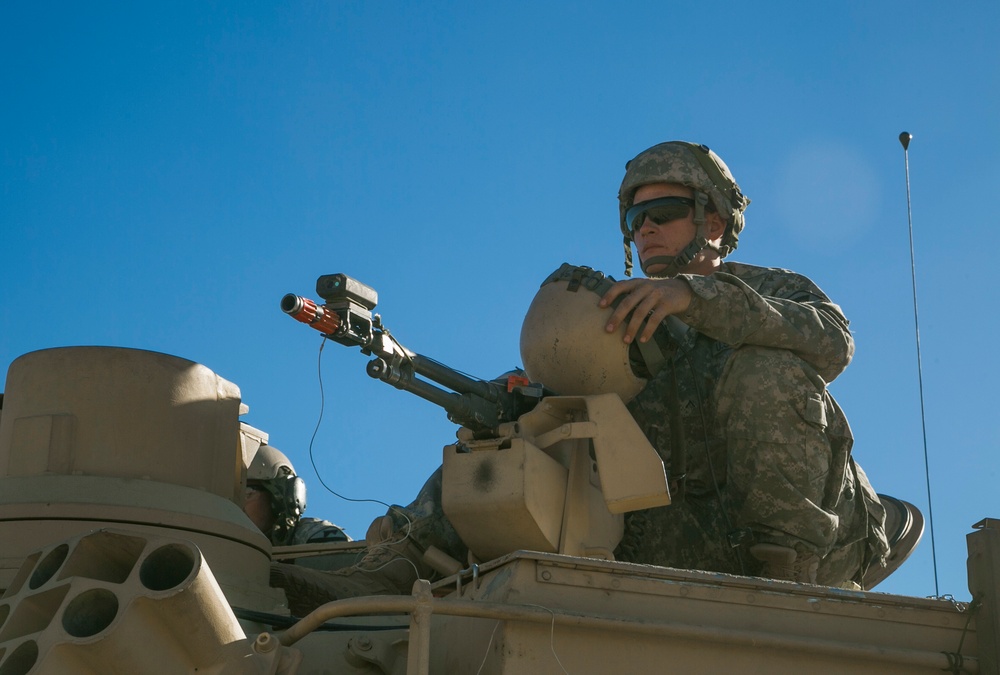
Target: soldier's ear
column 716, row 225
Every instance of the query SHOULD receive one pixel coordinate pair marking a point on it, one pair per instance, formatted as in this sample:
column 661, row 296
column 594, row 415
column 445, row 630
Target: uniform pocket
column 813, row 410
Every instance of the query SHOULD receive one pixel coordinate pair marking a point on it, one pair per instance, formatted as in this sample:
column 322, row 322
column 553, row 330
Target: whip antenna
column 904, row 139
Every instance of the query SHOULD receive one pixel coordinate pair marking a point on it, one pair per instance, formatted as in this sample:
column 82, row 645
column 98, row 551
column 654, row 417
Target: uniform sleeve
column 779, row 309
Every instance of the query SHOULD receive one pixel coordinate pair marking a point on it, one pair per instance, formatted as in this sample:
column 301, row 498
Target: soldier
column 768, row 465
column 276, row 498
column 757, row 451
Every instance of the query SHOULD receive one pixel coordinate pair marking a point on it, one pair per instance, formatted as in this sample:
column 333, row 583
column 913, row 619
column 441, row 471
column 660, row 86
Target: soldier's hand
column 653, row 298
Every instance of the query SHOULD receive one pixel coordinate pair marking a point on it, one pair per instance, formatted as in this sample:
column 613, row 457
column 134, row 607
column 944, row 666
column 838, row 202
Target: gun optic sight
column 336, row 288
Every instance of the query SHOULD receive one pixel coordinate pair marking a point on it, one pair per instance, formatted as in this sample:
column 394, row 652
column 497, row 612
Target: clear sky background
column 169, row 171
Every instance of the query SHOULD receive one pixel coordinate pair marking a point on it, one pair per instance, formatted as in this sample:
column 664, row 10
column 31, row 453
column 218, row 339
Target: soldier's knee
column 762, row 381
column 763, row 370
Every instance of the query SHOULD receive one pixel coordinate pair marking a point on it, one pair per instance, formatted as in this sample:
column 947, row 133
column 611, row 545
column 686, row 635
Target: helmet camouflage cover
column 695, row 166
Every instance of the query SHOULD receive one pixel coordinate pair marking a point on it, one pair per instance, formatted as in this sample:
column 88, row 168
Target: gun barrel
column 467, row 409
column 310, row 313
column 453, row 379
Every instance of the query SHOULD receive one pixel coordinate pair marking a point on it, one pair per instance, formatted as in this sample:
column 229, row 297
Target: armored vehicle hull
column 114, row 561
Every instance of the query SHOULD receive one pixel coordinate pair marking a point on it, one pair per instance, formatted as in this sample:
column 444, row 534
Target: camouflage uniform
column 741, row 409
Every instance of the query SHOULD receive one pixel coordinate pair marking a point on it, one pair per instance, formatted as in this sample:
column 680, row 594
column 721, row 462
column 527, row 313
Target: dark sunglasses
column 660, row 211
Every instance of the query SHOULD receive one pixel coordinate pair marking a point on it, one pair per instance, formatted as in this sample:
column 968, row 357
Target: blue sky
column 168, row 172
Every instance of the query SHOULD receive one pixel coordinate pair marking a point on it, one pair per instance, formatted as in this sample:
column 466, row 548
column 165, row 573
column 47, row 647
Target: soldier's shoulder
column 771, row 277
column 744, row 270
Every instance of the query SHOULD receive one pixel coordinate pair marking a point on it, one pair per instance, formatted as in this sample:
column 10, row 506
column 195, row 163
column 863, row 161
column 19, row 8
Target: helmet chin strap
column 674, row 263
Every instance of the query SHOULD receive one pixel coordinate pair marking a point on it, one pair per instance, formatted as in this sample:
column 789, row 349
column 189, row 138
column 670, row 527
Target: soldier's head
column 681, row 192
column 276, row 496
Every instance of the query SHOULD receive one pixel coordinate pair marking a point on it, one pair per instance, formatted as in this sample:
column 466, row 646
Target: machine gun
column 346, row 317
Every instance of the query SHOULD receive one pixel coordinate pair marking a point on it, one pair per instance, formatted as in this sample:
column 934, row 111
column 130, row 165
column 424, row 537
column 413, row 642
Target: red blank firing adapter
column 308, row 312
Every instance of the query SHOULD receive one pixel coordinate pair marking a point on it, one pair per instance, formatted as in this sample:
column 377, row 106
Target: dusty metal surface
column 633, row 617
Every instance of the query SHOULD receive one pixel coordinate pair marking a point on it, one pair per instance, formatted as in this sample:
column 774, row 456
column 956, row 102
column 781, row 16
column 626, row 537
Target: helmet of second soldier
column 268, row 464
column 273, row 477
column 695, row 166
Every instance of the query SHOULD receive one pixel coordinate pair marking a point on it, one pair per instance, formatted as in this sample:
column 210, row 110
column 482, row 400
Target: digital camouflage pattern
column 765, row 448
column 755, row 447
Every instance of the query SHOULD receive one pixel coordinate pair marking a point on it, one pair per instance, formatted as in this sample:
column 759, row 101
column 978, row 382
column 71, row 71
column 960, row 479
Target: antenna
column 904, row 139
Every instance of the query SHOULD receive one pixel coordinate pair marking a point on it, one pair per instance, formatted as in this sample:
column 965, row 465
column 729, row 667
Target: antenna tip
column 905, row 139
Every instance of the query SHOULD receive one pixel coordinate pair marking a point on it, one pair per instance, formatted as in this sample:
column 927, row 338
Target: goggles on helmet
column 660, row 211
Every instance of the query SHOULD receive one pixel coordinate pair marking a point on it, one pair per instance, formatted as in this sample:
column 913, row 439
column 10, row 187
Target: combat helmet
column 565, row 347
column 272, row 470
column 697, row 167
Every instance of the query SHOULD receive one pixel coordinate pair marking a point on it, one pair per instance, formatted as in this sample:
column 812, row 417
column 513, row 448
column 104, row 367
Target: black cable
column 312, row 456
column 319, row 421
column 955, row 658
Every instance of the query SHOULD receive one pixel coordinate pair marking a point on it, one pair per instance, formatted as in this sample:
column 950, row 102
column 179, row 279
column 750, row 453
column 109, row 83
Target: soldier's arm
column 785, row 313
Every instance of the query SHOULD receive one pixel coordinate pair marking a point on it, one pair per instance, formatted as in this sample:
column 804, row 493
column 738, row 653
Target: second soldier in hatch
column 276, row 498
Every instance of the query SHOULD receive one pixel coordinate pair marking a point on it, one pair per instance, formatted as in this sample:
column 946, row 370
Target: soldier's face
column 257, row 506
column 669, row 238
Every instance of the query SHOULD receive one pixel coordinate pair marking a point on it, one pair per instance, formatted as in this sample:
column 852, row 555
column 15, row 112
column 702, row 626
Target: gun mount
column 570, row 466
